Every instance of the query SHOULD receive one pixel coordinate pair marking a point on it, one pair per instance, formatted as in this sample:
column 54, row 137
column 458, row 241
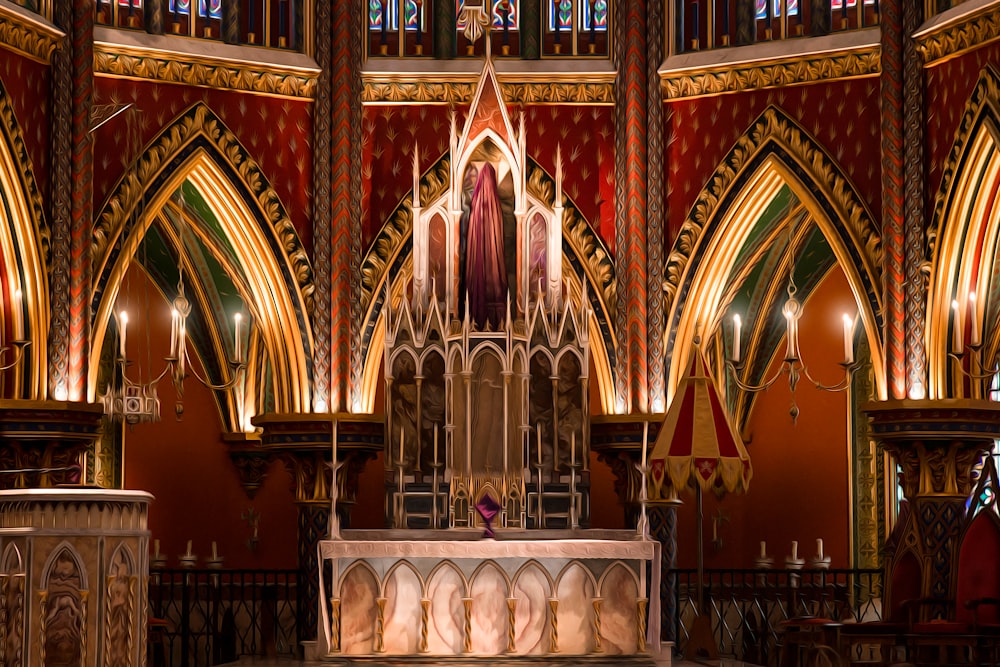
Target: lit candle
column 956, row 325
column 237, row 319
column 737, row 330
column 572, row 449
column 848, row 339
column 188, row 553
column 795, row 550
column 215, row 551
column 645, row 442
column 174, row 326
column 819, row 548
column 763, row 549
column 974, row 315
column 122, row 326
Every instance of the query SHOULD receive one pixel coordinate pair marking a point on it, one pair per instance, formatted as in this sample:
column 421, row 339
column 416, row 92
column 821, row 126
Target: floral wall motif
column 27, row 84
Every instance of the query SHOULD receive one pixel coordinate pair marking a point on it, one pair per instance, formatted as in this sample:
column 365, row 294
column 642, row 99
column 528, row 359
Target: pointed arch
column 277, row 277
column 24, row 256
column 966, row 224
column 773, row 153
column 64, row 553
column 586, row 263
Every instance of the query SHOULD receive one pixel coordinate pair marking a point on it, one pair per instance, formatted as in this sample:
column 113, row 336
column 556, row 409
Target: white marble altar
column 451, row 593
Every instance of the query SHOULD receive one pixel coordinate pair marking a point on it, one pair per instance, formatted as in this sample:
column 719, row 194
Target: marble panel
column 532, row 590
column 358, row 611
column 489, row 611
column 575, row 617
column 618, row 611
column 402, row 611
column 446, row 622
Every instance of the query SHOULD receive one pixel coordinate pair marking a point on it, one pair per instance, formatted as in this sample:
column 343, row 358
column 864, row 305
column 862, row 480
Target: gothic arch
column 774, row 152
column 966, row 239
column 24, row 255
column 199, row 149
column 586, row 262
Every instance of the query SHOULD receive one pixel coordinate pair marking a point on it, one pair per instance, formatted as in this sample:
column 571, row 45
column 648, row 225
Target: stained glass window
column 209, row 9
column 561, row 15
column 136, row 4
column 413, row 15
column 594, row 14
column 793, row 8
column 498, row 7
column 182, row 7
column 382, row 15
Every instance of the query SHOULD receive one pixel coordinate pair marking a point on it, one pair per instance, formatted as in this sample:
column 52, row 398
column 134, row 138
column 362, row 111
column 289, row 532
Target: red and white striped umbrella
column 697, row 442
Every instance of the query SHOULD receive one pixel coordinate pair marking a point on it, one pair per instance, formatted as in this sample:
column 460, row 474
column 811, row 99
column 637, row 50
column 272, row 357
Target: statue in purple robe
column 485, row 276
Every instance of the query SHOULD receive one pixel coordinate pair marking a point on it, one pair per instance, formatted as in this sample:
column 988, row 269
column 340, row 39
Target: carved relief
column 120, row 606
column 64, row 612
column 951, row 39
column 461, row 93
column 32, row 39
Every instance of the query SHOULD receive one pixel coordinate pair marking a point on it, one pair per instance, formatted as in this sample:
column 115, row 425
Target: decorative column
column 530, row 29
column 656, row 212
column 936, row 443
column 304, row 442
column 41, row 441
column 321, row 214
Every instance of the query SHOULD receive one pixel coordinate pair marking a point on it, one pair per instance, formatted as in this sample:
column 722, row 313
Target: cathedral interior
column 720, row 276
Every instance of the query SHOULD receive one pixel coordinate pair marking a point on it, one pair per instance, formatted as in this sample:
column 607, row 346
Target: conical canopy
column 697, row 440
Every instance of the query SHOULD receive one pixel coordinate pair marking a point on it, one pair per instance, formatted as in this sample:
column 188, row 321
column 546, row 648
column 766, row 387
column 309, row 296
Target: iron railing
column 747, row 607
column 209, row 617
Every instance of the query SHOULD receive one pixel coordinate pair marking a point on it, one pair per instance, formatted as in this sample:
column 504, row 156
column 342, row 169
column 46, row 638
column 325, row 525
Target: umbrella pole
column 701, row 550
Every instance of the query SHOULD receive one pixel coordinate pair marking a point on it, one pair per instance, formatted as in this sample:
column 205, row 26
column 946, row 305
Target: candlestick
column 956, row 325
column 538, row 432
column 848, row 339
column 123, row 325
column 401, row 444
column 795, row 550
column 974, row 320
column 645, row 441
column 156, row 548
column 188, row 552
column 763, row 549
column 237, row 319
column 819, row 548
column 572, row 450
column 435, row 444
column 737, row 330
column 174, row 325
column 215, row 551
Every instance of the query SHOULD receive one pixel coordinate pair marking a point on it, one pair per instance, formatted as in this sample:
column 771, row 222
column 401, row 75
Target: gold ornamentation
column 180, row 68
column 719, row 79
column 34, row 40
column 446, row 92
column 953, row 39
column 467, row 625
column 598, row 647
column 334, row 625
column 553, row 625
column 774, row 126
column 380, row 625
column 425, row 610
column 640, row 613
column 511, row 625
column 199, row 120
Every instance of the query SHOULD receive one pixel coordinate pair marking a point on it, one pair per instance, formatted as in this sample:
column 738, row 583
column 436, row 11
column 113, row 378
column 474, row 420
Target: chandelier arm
column 971, row 374
column 759, row 387
column 237, row 367
column 843, row 385
column 132, row 383
column 18, row 346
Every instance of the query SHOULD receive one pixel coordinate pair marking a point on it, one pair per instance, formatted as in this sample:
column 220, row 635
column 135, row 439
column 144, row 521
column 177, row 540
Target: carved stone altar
column 450, row 593
column 73, row 571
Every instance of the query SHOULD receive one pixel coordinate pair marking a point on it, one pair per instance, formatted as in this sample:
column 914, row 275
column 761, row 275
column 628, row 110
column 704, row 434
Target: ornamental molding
column 136, row 63
column 199, row 120
column 757, row 75
column 27, row 34
column 948, row 40
column 523, row 92
column 773, row 126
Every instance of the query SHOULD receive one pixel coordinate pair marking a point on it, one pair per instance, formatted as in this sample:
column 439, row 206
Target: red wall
column 28, row 88
column 185, row 464
column 799, row 489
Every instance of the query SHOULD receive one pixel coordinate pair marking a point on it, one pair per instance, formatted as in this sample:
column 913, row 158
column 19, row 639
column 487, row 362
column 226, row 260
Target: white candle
column 174, row 326
column 215, row 551
column 819, row 548
column 763, row 549
column 188, row 553
column 538, row 432
column 795, row 550
column 122, row 326
column 848, row 339
column 956, row 325
column 974, row 316
column 737, row 330
column 237, row 318
column 645, row 442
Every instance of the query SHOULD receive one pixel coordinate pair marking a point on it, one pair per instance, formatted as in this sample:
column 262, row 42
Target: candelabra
column 792, row 364
column 969, row 358
column 136, row 402
column 17, row 345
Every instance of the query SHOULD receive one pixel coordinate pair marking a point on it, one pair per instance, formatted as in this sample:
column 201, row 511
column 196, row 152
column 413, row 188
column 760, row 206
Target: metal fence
column 208, row 617
column 747, row 607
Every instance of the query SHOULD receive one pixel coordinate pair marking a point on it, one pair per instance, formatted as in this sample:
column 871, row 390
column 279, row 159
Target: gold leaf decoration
column 34, row 40
column 442, row 92
column 952, row 39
